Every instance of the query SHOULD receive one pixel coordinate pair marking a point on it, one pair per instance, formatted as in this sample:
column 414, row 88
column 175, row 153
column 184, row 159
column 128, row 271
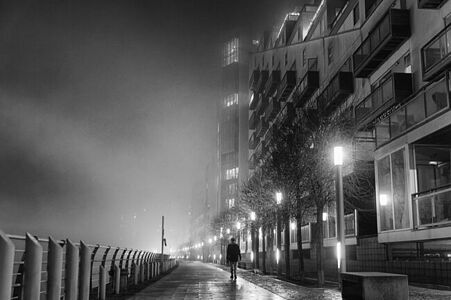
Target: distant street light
column 238, row 225
column 341, row 246
column 278, row 197
column 253, row 216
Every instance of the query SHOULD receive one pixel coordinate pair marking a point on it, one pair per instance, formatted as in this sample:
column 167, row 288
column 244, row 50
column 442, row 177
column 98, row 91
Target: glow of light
column 325, row 215
column 286, row 18
column 202, row 257
column 221, row 235
column 228, row 230
column 238, row 225
column 214, row 256
column 249, row 238
column 253, row 216
column 210, row 241
column 220, row 256
column 338, row 254
column 252, row 99
column 315, row 15
column 202, row 244
column 221, row 229
column 293, row 226
column 215, row 238
column 198, row 257
column 278, row 197
column 383, row 199
column 252, row 256
column 433, row 163
column 260, row 233
column 277, row 255
column 338, row 156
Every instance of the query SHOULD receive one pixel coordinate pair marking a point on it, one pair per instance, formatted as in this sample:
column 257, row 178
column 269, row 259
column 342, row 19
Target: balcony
column 262, row 104
column 389, row 34
column 435, row 54
column 351, row 225
column 252, row 162
column 286, row 85
column 262, row 126
column 253, row 120
column 253, row 141
column 392, row 91
column 430, row 4
column 272, row 109
column 339, row 88
column 422, row 106
column 262, row 80
column 254, row 100
column 255, row 76
column 431, row 208
column 307, row 86
column 272, row 84
column 287, row 114
column 306, row 233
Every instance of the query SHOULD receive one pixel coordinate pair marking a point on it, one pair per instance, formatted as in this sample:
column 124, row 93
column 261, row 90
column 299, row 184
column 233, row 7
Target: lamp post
column 254, row 257
column 279, row 198
column 341, row 247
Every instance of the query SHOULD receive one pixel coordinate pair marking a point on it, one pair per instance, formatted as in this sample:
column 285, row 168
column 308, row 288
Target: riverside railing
column 33, row 268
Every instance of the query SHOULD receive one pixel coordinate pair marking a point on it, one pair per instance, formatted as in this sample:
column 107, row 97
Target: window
column 433, row 167
column 392, row 193
column 231, row 203
column 356, row 13
column 407, row 64
column 231, row 100
column 230, row 52
column 232, row 173
column 232, row 188
column 293, row 232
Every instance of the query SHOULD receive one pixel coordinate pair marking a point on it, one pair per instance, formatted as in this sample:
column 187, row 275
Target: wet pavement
column 195, row 280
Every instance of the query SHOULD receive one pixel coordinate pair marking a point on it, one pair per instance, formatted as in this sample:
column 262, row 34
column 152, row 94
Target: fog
column 108, row 114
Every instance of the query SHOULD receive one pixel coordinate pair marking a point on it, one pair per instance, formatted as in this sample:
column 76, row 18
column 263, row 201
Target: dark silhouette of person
column 233, row 254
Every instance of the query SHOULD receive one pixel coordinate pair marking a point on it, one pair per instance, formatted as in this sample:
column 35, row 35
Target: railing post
column 141, row 269
column 6, row 265
column 33, row 267
column 117, row 279
column 135, row 267
column 71, row 277
column 85, row 271
column 54, row 270
column 102, row 283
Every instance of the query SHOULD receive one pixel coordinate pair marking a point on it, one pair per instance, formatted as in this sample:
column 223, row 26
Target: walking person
column 233, row 254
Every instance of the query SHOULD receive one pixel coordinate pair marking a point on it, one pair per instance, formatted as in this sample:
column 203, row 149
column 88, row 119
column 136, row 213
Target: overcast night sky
column 108, row 110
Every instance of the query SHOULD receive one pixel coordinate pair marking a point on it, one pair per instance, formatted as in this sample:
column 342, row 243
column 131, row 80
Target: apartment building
column 388, row 61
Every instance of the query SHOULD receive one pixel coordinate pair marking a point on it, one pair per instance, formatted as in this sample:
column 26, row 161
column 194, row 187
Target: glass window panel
column 436, row 98
column 432, row 54
column 387, row 90
column 425, row 211
column 398, row 122
column 415, row 111
column 401, row 207
column 377, row 98
column 384, row 201
column 442, row 205
column 433, row 167
column 383, row 131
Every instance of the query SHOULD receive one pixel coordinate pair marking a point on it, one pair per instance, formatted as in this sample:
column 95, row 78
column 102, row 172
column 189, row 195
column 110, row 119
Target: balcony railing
column 306, row 87
column 286, row 85
column 350, row 220
column 430, row 3
column 272, row 109
column 262, row 104
column 424, row 105
column 261, row 127
column 390, row 92
column 255, row 76
column 287, row 114
column 432, row 208
column 306, row 233
column 272, row 84
column 253, row 141
column 253, row 120
column 383, row 40
column 262, row 80
column 253, row 102
column 435, row 54
column 339, row 88
column 252, row 162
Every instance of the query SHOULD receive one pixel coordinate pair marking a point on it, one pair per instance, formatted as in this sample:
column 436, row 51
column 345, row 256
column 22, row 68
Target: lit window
column 232, row 173
column 231, row 100
column 231, row 202
column 230, row 52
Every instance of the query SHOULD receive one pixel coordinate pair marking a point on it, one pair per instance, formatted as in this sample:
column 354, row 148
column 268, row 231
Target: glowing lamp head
column 293, row 225
column 278, row 197
column 325, row 215
column 215, row 238
column 228, row 230
column 253, row 216
column 383, row 199
column 338, row 156
column 238, row 225
column 210, row 241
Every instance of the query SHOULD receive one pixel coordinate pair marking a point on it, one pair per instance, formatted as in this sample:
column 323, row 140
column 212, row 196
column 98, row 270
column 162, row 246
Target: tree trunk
column 271, row 250
column 264, row 250
column 257, row 247
column 319, row 248
column 301, row 255
column 279, row 242
column 287, row 248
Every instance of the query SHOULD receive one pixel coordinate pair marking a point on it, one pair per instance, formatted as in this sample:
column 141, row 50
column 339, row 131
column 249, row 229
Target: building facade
column 233, row 122
column 388, row 61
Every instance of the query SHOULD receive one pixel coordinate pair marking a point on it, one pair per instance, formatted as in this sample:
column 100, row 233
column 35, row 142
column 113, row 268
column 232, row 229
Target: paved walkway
column 195, row 280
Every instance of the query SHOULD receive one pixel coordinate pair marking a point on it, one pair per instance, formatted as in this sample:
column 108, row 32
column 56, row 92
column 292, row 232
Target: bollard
column 54, row 270
column 6, row 265
column 85, row 271
column 102, row 283
column 71, row 277
column 117, row 279
column 32, row 266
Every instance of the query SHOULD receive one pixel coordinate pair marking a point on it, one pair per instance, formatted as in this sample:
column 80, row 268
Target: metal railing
column 33, row 268
column 432, row 208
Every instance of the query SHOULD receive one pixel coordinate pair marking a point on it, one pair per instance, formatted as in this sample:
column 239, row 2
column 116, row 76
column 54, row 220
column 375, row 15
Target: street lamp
column 341, row 247
column 278, row 198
